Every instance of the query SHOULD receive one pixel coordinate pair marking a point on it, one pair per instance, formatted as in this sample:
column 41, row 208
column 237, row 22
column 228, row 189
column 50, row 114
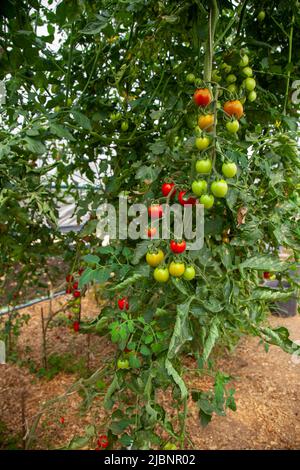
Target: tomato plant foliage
column 105, row 89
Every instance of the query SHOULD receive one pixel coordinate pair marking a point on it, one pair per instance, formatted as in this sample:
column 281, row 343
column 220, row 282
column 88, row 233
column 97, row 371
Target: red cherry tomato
column 76, row 294
column 69, row 278
column 62, row 420
column 123, row 303
column 177, row 247
column 155, row 211
column 167, row 188
column 151, row 232
column 183, row 201
column 75, row 285
column 102, row 441
column 68, row 290
column 76, row 326
column 80, row 271
column 202, row 97
column 267, row 275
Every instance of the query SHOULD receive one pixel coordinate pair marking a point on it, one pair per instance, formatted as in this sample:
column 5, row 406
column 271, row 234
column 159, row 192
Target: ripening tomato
column 155, row 211
column 177, row 247
column 202, row 143
column 199, row 187
column 202, row 97
column 219, row 188
column 151, row 232
column 167, row 188
column 123, row 364
column 189, row 273
column 229, row 169
column 154, row 258
column 183, row 201
column 161, row 274
column 207, row 200
column 205, row 122
column 103, row 441
column 234, row 108
column 176, row 268
column 123, row 303
column 233, row 126
column 76, row 294
column 204, row 166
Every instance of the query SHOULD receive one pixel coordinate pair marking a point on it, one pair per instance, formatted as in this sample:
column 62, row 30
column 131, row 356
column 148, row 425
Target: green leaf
column 145, row 351
column 266, row 293
column 61, row 132
column 210, row 341
column 34, row 145
column 147, row 173
column 140, row 251
column 265, row 263
column 86, row 277
column 114, row 386
column 128, row 282
column 181, row 332
column 82, row 120
column 177, row 379
column 92, row 259
column 280, row 337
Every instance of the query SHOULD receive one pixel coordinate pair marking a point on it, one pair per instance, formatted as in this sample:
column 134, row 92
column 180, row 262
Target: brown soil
column 267, row 390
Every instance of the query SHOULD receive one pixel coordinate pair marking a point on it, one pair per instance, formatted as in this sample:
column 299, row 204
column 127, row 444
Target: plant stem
column 212, row 21
column 182, row 434
column 289, row 65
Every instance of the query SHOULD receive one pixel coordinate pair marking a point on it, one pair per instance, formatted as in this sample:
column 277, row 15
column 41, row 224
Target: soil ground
column 267, row 390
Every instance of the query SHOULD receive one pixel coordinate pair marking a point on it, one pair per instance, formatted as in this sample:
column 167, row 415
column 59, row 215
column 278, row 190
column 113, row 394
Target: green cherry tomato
column 207, row 200
column 57, row 109
column 252, row 96
column 124, row 126
column 249, row 83
column 54, row 88
column 227, row 68
column 189, row 273
column 199, row 187
column 190, row 78
column 176, row 268
column 261, row 16
column 161, row 274
column 233, row 126
column 203, row 166
column 69, row 102
column 229, row 169
column 247, row 72
column 202, row 143
column 216, row 77
column 232, row 88
column 219, row 188
column 231, row 78
column 244, row 61
column 170, row 446
column 123, row 364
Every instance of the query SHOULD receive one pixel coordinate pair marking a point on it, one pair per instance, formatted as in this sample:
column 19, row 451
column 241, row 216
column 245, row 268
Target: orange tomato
column 205, row 122
column 202, row 97
column 234, row 108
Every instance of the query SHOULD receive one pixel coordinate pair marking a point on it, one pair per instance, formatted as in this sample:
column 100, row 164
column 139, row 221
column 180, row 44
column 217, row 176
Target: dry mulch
column 267, row 390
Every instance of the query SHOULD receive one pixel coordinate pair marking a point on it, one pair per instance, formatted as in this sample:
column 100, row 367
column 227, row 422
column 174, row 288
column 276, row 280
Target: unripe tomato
column 161, row 274
column 124, row 126
column 189, row 273
column 170, row 446
column 231, row 78
column 123, row 303
column 229, row 169
column 202, row 143
column 244, row 61
column 202, row 97
column 226, row 67
column 216, row 77
column 177, row 247
column 219, row 188
column 199, row 187
column 190, row 78
column 183, row 201
column 204, row 166
column 261, row 16
column 69, row 102
column 234, row 108
column 232, row 126
column 54, row 88
column 176, row 269
column 123, row 364
column 154, row 258
column 249, row 83
column 155, row 211
column 232, row 88
column 207, row 200
column 205, row 122
column 57, row 109
column 247, row 71
column 167, row 188
column 252, row 96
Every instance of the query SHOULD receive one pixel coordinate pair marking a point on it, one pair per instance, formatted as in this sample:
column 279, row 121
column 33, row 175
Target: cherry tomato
column 123, row 303
column 123, row 364
column 76, row 294
column 207, row 200
column 234, row 108
column 154, row 258
column 103, row 441
column 199, row 187
column 76, row 326
column 161, row 274
column 232, row 88
column 202, row 143
column 57, row 109
column 189, row 273
column 206, row 121
column 229, row 169
column 69, row 102
column 62, row 420
column 244, row 61
column 261, row 16
column 69, row 278
column 177, row 247
column 167, row 188
column 252, row 96
column 176, row 268
column 75, row 285
column 219, row 188
column 151, row 232
column 233, row 126
column 225, row 240
column 183, row 201
column 170, row 446
column 247, row 72
column 68, row 290
column 202, row 97
column 155, row 211
column 124, row 126
column 266, row 275
column 249, row 83
column 190, row 78
column 204, row 166
column 231, row 78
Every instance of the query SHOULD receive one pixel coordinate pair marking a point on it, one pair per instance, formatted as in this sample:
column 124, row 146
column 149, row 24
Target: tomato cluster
column 72, row 287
